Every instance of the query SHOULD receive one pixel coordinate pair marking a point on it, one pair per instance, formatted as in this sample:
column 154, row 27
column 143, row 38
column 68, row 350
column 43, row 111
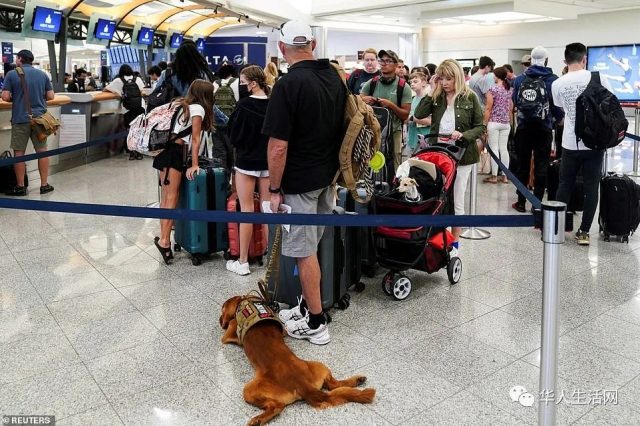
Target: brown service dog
column 281, row 377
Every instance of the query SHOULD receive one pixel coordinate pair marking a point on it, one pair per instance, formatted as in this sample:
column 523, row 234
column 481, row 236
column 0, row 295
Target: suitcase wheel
column 177, row 247
column 454, row 270
column 344, row 302
column 196, row 260
column 625, row 239
column 401, row 287
column 359, row 287
column 387, row 282
column 226, row 255
column 607, row 237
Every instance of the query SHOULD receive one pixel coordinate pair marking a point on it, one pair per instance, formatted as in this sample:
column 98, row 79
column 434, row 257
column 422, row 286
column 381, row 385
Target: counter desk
column 55, row 107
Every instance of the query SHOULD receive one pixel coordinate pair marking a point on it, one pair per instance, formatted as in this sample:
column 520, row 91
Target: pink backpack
column 150, row 132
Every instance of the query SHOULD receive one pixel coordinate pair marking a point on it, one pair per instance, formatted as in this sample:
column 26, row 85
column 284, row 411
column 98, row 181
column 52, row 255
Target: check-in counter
column 55, row 108
column 89, row 116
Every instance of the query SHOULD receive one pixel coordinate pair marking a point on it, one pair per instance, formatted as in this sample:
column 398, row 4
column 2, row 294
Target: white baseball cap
column 296, row 33
column 539, row 55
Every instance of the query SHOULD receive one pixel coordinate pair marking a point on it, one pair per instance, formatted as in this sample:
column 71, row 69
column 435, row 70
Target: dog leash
column 273, row 268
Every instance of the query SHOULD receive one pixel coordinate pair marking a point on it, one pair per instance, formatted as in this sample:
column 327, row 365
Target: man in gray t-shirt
column 40, row 90
column 482, row 80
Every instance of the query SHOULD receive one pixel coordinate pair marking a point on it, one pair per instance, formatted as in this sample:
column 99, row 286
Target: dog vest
column 250, row 312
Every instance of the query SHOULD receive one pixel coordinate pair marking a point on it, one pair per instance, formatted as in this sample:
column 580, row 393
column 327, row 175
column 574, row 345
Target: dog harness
column 250, row 312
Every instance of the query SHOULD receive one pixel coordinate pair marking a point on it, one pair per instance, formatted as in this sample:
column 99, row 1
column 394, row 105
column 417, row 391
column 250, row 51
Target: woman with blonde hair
column 196, row 113
column 455, row 112
column 271, row 74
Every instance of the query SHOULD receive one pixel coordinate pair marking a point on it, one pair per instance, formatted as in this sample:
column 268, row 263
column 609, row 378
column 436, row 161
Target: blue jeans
column 591, row 163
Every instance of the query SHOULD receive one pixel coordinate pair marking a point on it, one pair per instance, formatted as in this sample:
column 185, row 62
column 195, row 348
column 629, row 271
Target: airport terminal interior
column 96, row 328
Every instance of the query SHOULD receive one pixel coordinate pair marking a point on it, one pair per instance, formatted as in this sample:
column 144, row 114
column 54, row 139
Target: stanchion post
column 473, row 233
column 553, row 218
column 636, row 146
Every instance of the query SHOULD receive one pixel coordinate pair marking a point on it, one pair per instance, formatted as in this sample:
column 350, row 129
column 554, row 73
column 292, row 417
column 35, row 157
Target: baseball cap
column 390, row 53
column 538, row 55
column 526, row 59
column 296, row 33
column 26, row 55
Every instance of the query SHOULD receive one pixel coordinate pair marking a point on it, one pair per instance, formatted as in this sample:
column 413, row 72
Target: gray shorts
column 302, row 241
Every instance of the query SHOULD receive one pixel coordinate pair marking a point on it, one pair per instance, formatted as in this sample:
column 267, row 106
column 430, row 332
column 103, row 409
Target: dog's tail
column 321, row 399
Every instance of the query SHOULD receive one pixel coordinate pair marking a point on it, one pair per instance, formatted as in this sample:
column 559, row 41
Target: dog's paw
column 256, row 421
column 361, row 380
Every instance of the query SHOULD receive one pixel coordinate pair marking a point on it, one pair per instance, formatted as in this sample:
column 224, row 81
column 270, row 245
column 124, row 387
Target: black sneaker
column 132, row 155
column 139, row 156
column 45, row 189
column 519, row 207
column 17, row 191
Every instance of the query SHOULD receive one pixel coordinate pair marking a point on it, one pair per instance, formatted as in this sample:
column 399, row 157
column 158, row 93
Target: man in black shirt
column 305, row 123
column 360, row 76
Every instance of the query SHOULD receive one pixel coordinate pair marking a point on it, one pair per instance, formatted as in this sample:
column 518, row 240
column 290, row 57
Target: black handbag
column 8, row 176
column 164, row 95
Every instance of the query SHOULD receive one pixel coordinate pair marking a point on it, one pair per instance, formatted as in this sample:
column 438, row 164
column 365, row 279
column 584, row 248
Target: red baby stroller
column 421, row 248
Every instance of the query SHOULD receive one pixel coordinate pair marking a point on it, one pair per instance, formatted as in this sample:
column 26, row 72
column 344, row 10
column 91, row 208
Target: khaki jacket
column 468, row 121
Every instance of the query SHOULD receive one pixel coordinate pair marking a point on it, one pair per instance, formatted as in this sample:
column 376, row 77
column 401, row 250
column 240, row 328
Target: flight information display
column 145, row 36
column 105, row 29
column 620, row 65
column 176, row 40
column 46, row 19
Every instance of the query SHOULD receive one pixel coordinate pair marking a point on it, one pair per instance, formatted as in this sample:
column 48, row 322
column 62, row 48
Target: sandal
column 166, row 252
column 490, row 179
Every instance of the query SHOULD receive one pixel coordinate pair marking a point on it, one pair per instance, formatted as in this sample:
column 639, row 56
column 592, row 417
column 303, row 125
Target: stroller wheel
column 387, row 283
column 454, row 270
column 401, row 287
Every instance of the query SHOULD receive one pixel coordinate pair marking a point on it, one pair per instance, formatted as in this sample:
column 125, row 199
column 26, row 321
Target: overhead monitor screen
column 621, row 66
column 105, row 29
column 145, row 36
column 46, row 19
column 176, row 40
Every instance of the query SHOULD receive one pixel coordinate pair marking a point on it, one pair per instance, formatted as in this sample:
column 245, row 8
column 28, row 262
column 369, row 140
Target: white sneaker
column 300, row 330
column 291, row 314
column 238, row 268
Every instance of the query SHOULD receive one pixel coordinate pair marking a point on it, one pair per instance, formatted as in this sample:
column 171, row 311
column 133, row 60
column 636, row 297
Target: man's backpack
column 600, row 121
column 225, row 99
column 131, row 95
column 533, row 99
column 359, row 144
column 164, row 94
column 401, row 83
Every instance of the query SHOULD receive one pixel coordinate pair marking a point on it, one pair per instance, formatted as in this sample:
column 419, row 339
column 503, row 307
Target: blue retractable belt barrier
column 632, row 136
column 537, row 204
column 58, row 151
column 293, row 219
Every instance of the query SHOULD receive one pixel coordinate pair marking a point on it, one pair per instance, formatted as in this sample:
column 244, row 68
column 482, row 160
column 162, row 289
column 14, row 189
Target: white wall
column 462, row 41
column 341, row 43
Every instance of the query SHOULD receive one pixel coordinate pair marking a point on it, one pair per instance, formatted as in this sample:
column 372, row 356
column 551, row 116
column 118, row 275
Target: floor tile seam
column 583, row 415
column 606, row 313
column 82, row 295
column 172, row 300
column 74, row 327
column 94, row 408
column 634, row 360
column 33, row 376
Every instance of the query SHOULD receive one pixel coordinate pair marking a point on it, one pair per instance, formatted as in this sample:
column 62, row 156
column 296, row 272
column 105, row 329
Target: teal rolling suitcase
column 208, row 191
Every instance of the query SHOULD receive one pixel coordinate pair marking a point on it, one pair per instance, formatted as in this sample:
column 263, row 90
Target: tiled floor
column 95, row 330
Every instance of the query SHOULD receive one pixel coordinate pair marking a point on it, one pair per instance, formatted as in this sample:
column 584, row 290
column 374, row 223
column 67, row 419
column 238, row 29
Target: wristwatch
column 275, row 190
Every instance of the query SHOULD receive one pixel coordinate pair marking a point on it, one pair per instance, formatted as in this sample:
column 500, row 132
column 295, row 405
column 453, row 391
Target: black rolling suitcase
column 576, row 204
column 332, row 257
column 619, row 206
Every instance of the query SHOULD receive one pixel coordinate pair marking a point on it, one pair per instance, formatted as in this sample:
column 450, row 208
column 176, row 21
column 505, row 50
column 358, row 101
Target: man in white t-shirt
column 575, row 155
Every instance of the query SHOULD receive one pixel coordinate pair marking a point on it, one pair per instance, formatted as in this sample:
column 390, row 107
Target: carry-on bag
column 8, row 175
column 387, row 173
column 207, row 191
column 619, row 206
column 576, row 204
column 258, row 244
column 331, row 255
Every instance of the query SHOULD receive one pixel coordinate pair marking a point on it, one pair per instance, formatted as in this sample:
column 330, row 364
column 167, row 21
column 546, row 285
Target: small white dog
column 409, row 187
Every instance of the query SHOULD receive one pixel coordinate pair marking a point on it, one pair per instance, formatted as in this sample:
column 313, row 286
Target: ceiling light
column 377, row 16
column 499, row 17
